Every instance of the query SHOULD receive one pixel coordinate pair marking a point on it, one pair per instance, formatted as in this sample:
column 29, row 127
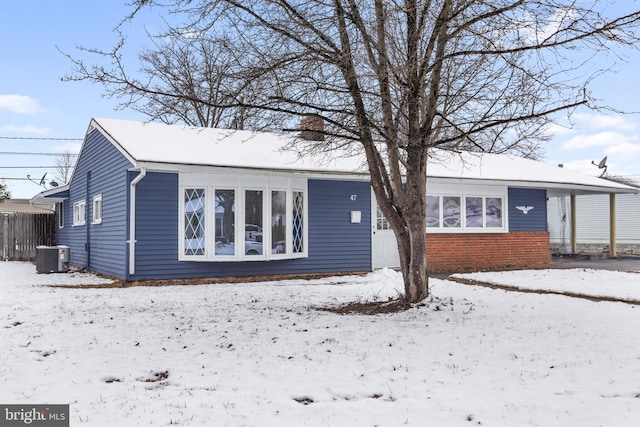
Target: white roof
column 520, row 172
column 183, row 145
column 154, row 143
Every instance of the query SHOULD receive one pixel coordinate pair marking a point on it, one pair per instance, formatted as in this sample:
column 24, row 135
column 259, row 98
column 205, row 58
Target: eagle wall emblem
column 525, row 209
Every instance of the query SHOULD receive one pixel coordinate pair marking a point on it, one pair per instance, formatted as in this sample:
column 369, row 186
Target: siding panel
column 104, row 169
column 536, row 218
column 335, row 244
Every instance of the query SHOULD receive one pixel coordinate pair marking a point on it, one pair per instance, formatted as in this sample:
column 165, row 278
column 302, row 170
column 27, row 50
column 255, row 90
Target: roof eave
column 53, row 195
column 554, row 188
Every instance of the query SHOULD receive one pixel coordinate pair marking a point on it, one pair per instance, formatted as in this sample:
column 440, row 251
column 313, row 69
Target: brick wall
column 491, row 251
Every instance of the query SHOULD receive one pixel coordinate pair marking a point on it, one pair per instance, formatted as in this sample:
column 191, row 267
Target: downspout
column 132, row 221
column 88, row 208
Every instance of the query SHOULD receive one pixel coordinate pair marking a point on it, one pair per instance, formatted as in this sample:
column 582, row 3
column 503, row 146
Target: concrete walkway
column 620, row 263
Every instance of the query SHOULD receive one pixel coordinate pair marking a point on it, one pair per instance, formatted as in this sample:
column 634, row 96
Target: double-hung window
column 97, row 209
column 225, row 217
column 80, row 212
column 61, row 215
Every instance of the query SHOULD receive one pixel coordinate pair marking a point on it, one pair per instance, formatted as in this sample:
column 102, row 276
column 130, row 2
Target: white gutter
column 132, row 221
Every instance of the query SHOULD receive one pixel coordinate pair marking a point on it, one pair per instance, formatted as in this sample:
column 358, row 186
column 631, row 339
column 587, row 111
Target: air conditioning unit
column 52, row 259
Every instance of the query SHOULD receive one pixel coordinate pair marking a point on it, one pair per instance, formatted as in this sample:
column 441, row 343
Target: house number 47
column 353, row 197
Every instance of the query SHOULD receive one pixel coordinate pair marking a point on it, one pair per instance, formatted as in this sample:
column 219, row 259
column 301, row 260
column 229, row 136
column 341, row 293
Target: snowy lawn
column 259, row 354
column 617, row 285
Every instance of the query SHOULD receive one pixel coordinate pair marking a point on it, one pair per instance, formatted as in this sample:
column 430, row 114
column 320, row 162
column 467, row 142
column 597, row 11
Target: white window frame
column 61, row 215
column 96, row 211
column 80, row 213
column 470, row 191
column 241, row 182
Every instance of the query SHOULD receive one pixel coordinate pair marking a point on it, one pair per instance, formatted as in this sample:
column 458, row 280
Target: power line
column 41, row 138
column 24, row 153
column 28, row 167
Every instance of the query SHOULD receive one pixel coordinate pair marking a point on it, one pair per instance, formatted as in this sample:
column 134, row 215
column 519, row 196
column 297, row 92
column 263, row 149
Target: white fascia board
column 95, row 125
column 182, row 168
column 555, row 188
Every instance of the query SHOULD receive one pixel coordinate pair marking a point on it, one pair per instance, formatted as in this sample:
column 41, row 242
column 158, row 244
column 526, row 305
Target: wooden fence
column 21, row 233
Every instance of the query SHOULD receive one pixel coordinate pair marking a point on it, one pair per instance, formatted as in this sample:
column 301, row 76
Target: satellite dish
column 53, row 184
column 42, row 179
column 601, row 165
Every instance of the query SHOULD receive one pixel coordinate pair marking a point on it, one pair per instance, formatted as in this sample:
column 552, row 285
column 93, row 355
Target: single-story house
column 153, row 201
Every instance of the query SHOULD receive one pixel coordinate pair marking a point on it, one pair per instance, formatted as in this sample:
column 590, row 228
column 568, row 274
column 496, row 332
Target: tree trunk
column 413, row 264
column 416, row 280
column 410, row 228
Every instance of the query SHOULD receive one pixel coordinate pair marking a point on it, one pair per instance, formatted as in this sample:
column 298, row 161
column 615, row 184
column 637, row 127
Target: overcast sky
column 35, row 103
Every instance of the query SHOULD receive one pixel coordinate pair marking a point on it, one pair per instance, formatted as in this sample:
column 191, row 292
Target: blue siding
column 536, row 218
column 335, row 244
column 101, row 169
column 157, row 225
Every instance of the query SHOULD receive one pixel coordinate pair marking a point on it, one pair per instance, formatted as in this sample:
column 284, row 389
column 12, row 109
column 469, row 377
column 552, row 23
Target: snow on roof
column 177, row 144
column 183, row 145
column 502, row 167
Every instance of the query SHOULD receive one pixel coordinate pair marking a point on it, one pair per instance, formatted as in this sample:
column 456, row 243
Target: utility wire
column 24, row 153
column 28, row 167
column 41, row 138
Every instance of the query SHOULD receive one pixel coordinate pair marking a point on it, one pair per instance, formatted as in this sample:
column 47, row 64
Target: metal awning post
column 574, row 240
column 613, row 252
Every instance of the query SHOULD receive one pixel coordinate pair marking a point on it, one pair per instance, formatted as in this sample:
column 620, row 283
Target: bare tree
column 4, row 192
column 64, row 167
column 186, row 77
column 395, row 79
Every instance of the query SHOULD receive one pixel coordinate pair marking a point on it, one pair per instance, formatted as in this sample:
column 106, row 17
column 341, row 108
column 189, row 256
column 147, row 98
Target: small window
column 298, row 222
column 433, row 211
column 61, row 215
column 97, row 209
column 474, row 212
column 225, row 232
column 451, row 211
column 494, row 212
column 381, row 222
column 194, row 221
column 253, row 216
column 80, row 212
column 278, row 222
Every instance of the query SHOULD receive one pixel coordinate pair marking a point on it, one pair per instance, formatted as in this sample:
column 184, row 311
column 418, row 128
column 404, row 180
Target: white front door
column 385, row 248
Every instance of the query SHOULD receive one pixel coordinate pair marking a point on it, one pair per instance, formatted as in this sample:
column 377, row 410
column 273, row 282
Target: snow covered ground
column 259, row 354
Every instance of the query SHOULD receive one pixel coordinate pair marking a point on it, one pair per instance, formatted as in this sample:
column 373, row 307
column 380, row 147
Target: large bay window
column 226, row 217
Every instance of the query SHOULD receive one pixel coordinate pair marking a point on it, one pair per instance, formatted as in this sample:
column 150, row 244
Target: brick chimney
column 312, row 128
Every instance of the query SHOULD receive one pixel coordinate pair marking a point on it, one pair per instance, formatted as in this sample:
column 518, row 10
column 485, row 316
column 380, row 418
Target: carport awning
column 518, row 172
